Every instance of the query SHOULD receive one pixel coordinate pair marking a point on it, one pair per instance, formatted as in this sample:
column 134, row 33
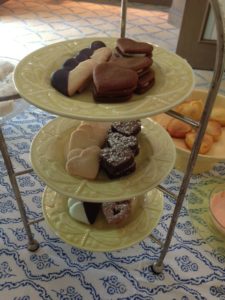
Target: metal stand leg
column 123, row 18
column 218, row 73
column 33, row 245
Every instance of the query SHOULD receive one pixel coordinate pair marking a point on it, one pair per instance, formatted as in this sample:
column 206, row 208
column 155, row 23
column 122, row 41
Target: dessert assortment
column 113, row 74
column 114, row 213
column 193, row 109
column 109, row 147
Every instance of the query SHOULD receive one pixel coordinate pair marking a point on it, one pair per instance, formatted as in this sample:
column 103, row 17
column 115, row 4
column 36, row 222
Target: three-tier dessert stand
column 48, row 163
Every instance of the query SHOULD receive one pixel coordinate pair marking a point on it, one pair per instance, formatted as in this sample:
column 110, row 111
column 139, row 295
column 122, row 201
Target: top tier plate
column 174, row 82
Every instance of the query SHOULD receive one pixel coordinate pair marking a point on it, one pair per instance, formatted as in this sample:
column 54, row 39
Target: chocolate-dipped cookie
column 68, row 82
column 145, row 82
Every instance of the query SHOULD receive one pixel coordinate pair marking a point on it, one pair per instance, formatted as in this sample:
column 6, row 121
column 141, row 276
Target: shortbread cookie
column 101, row 55
column 96, row 130
column 84, row 164
column 81, row 138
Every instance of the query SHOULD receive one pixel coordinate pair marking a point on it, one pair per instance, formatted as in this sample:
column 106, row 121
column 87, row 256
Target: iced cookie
column 84, row 212
column 117, row 161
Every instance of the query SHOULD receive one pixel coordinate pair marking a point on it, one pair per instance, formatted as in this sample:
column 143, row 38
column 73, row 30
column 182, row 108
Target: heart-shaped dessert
column 96, row 130
column 85, row 212
column 115, row 212
column 101, row 55
column 109, row 78
column 84, row 163
column 82, row 139
column 130, row 47
column 116, row 139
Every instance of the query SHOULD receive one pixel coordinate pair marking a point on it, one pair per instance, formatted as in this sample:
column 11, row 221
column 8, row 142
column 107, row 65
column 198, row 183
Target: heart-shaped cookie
column 84, row 163
column 108, row 77
column 96, row 130
column 85, row 212
column 82, row 139
column 131, row 47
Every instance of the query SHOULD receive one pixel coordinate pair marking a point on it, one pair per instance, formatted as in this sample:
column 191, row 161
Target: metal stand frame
column 32, row 245
column 215, row 84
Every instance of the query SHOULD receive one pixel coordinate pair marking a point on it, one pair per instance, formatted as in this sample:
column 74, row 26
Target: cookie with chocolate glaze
column 129, row 47
column 145, row 82
column 139, row 64
column 110, row 82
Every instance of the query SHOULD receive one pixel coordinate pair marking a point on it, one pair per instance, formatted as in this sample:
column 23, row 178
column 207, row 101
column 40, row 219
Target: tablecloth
column 193, row 269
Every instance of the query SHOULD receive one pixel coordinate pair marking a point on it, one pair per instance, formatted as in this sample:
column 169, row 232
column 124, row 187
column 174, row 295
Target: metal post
column 33, row 245
column 215, row 84
column 123, row 18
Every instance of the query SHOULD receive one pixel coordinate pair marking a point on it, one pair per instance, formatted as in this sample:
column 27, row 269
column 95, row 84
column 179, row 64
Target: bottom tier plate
column 198, row 207
column 146, row 212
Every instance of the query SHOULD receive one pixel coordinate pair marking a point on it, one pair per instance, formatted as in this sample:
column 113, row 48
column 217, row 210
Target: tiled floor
column 28, row 25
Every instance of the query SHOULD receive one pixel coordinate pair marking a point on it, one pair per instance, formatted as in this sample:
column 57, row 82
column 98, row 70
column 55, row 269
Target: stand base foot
column 157, row 269
column 33, row 246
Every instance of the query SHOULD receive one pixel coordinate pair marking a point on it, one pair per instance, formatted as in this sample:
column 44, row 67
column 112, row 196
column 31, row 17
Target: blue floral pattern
column 68, row 294
column 112, row 285
column 185, row 264
column 42, row 261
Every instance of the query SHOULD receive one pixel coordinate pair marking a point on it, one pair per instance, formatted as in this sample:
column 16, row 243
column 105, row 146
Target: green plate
column 174, row 82
column 145, row 214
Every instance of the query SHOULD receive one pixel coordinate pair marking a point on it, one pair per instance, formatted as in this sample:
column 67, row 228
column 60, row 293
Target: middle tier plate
column 153, row 163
